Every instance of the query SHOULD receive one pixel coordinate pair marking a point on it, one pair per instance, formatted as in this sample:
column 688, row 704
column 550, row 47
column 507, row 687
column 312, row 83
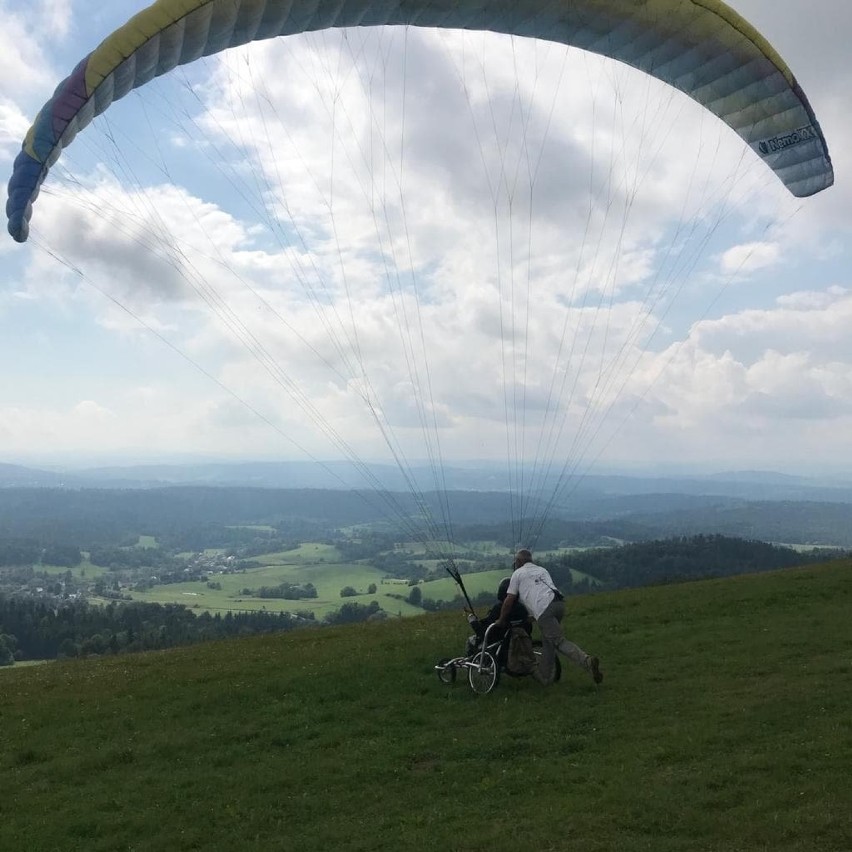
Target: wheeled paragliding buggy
column 487, row 659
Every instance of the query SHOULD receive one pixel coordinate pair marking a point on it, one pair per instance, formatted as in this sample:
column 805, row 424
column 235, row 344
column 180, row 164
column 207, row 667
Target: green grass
column 446, row 588
column 722, row 725
column 328, row 577
column 24, row 664
column 807, row 548
column 322, row 565
column 481, row 581
column 306, row 553
column 85, row 570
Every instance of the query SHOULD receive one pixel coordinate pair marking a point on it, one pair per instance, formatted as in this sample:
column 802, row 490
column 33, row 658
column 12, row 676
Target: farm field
column 481, row 581
column 328, row 579
column 309, row 563
column 84, row 570
column 324, row 567
column 307, row 553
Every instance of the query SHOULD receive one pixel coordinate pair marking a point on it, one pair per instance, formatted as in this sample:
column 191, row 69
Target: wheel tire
column 446, row 673
column 483, row 674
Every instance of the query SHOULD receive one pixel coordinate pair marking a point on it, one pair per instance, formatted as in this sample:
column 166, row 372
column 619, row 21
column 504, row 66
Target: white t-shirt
column 534, row 586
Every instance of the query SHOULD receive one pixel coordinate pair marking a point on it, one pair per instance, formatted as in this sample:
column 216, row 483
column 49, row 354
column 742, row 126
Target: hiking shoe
column 595, row 669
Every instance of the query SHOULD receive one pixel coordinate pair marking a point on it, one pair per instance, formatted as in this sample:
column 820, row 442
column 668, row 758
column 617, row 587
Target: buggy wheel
column 483, row 673
column 446, row 670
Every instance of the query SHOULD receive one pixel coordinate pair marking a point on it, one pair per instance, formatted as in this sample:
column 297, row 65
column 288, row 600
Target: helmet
column 503, row 589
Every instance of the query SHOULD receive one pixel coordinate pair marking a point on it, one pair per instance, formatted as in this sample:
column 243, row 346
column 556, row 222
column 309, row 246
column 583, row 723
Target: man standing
column 534, row 587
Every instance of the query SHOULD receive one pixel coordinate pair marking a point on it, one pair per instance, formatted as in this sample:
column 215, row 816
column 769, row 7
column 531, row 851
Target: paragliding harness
column 491, row 652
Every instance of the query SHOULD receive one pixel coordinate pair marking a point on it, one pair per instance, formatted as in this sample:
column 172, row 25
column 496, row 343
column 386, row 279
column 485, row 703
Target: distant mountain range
column 606, row 491
column 120, row 500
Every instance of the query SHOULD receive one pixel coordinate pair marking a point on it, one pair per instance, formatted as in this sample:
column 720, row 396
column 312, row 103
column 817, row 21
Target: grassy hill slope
column 723, row 724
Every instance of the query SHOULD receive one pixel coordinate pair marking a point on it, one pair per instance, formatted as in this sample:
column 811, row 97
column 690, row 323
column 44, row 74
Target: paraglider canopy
column 703, row 48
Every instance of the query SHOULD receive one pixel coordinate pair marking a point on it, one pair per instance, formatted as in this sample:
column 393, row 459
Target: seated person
column 480, row 625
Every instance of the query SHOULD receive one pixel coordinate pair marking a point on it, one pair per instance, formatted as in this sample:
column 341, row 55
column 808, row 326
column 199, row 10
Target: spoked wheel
column 446, row 671
column 483, row 674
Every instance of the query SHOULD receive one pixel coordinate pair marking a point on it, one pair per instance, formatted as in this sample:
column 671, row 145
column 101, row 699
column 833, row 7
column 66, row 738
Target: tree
column 348, row 592
column 350, row 613
column 415, row 596
column 65, row 555
column 371, row 589
column 7, row 656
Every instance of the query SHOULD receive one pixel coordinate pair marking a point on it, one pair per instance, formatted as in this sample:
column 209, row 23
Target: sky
column 407, row 244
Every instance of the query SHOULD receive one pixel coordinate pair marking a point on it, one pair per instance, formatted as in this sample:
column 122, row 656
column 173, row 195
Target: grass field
column 315, row 563
column 446, row 588
column 307, row 553
column 328, row 583
column 84, row 570
column 323, row 566
column 722, row 725
column 483, row 581
column 329, row 577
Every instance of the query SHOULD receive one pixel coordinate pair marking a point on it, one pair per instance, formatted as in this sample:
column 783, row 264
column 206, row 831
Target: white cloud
column 288, row 262
column 810, row 300
column 814, row 322
column 23, row 429
column 27, row 77
column 24, row 65
column 13, row 127
column 763, row 386
column 750, row 257
column 796, row 387
column 54, row 17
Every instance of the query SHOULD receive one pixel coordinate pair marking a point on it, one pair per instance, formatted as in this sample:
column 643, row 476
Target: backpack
column 521, row 659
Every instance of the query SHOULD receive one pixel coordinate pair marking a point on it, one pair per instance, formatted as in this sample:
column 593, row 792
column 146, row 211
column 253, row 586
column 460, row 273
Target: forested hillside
column 678, row 559
column 188, row 516
column 780, row 521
